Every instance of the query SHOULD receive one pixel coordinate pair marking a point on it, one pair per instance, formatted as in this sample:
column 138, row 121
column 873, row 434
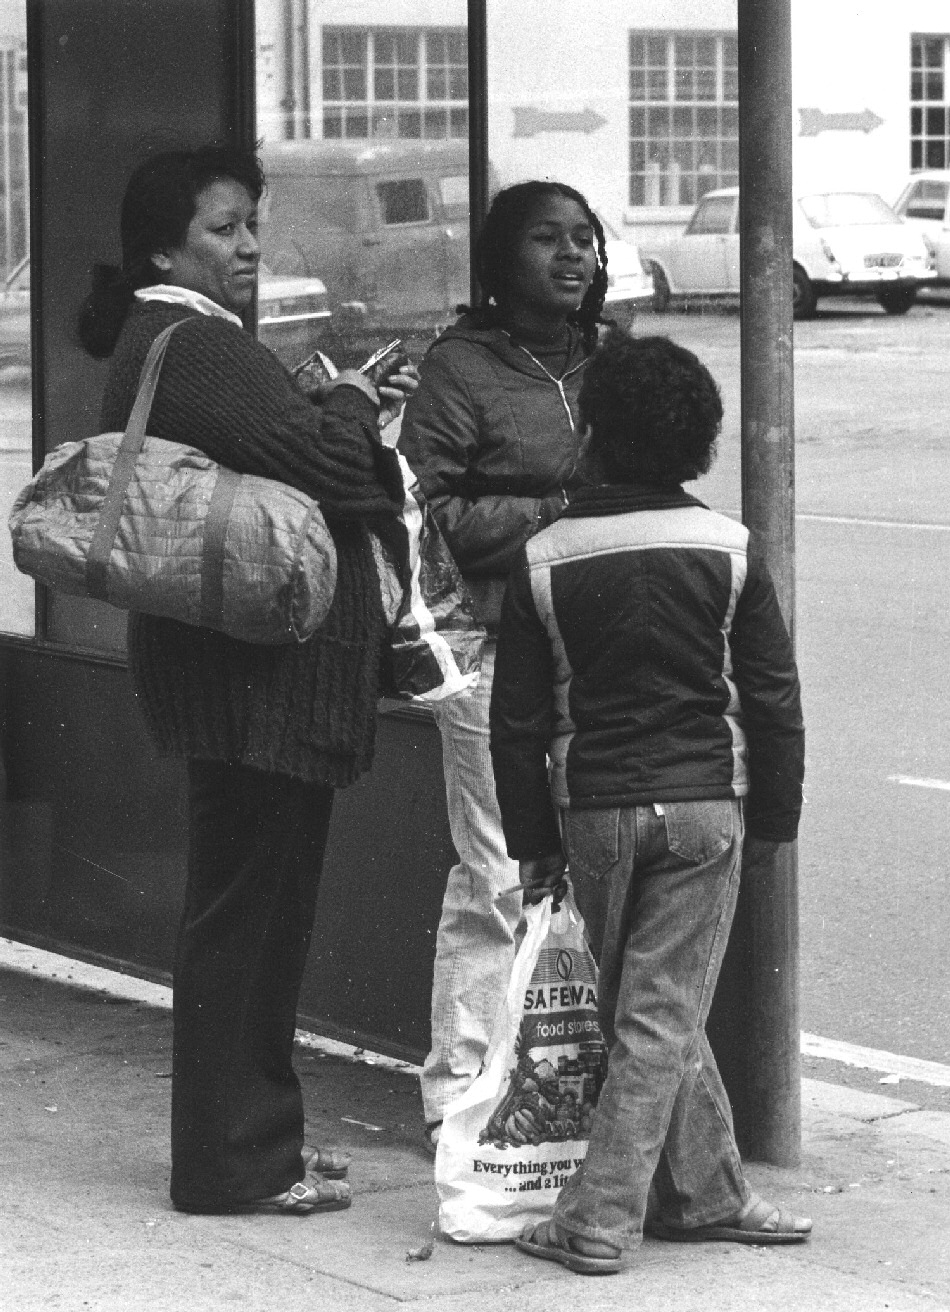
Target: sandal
column 552, row 1245
column 331, row 1163
column 431, row 1136
column 301, row 1199
column 759, row 1222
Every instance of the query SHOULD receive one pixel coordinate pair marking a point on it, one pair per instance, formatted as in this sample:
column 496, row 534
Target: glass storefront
column 16, row 411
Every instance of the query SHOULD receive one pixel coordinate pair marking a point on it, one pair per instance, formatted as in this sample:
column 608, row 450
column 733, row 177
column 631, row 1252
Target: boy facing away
column 646, row 706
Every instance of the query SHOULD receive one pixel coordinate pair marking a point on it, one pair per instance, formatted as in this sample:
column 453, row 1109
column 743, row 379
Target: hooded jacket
column 643, row 658
column 492, row 437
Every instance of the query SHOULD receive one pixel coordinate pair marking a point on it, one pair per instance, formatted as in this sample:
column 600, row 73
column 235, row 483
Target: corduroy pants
column 256, row 845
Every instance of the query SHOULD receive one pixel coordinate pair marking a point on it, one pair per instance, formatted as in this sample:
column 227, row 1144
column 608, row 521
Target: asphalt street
column 872, row 396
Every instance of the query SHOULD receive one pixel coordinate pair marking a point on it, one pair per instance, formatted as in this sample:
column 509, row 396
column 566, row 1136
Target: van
column 383, row 224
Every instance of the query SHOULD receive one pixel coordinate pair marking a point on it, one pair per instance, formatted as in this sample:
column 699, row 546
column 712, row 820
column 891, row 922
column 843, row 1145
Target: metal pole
column 769, row 1114
column 477, row 126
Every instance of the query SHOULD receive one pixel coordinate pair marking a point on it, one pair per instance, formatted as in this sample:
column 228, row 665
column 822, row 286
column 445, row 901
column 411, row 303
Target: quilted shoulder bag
column 159, row 527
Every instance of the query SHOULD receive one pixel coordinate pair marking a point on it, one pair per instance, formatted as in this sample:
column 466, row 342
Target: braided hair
column 509, row 213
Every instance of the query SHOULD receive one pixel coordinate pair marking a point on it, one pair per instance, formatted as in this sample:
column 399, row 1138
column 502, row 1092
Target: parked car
column 925, row 204
column 384, row 224
column 844, row 244
column 629, row 279
column 292, row 314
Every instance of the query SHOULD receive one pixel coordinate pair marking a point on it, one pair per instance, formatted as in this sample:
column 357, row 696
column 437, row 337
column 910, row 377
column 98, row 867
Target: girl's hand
column 395, row 390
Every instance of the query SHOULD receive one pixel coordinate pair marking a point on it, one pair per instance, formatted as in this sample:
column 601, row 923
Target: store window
column 394, row 82
column 16, row 422
column 684, row 116
column 929, row 102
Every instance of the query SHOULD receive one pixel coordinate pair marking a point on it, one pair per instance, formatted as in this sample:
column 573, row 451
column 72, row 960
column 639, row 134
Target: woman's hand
column 395, row 390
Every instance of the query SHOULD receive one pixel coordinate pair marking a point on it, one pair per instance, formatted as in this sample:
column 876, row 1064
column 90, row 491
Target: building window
column 684, row 115
column 395, row 82
column 929, row 102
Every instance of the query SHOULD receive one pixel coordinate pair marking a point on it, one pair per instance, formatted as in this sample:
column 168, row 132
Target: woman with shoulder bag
column 492, row 435
column 268, row 732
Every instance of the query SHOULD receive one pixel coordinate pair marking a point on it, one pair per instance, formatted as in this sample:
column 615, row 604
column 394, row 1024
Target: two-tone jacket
column 492, row 436
column 642, row 657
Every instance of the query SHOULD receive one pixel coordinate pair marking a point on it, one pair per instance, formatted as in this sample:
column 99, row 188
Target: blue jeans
column 475, row 944
column 657, row 888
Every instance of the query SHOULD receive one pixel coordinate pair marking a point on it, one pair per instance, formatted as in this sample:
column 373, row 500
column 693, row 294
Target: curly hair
column 506, row 219
column 161, row 199
column 653, row 409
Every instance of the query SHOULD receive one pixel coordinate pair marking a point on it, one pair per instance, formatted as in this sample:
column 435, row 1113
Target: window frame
column 929, row 97
column 383, row 116
column 662, row 117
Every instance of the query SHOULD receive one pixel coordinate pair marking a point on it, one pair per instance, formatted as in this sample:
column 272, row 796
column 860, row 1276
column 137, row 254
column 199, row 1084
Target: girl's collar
column 161, row 291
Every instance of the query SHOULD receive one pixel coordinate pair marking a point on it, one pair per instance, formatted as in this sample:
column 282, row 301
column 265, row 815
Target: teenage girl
column 492, row 435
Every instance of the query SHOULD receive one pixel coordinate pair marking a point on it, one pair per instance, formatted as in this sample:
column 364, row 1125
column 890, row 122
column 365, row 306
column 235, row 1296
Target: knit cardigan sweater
column 306, row 710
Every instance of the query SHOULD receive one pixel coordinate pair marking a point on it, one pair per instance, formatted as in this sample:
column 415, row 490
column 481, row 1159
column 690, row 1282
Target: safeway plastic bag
column 510, row 1142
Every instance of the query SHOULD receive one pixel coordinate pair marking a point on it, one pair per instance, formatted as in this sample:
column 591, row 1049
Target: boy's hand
column 542, row 875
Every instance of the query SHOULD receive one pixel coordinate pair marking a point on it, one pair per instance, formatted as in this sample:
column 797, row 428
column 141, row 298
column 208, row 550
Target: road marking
column 942, row 784
column 875, row 523
column 856, row 521
column 873, row 1059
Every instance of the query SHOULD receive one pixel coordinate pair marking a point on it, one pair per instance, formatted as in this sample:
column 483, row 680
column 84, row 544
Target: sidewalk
column 85, row 1222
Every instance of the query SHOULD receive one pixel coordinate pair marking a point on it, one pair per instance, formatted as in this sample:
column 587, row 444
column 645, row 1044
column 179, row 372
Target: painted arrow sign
column 529, row 121
column 813, row 121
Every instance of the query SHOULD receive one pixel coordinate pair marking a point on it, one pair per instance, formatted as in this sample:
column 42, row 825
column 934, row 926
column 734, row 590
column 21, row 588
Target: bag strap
column 103, row 538
column 211, row 611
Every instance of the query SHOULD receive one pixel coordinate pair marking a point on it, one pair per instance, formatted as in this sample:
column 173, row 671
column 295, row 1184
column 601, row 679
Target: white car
column 848, row 243
column 629, row 279
column 925, row 204
column 292, row 314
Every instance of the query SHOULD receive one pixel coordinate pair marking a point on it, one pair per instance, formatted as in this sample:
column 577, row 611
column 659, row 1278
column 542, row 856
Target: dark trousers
column 256, row 847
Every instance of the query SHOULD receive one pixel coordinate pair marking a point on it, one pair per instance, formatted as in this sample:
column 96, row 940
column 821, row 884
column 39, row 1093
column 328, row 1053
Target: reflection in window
column 394, row 82
column 930, row 102
column 684, row 116
column 16, row 415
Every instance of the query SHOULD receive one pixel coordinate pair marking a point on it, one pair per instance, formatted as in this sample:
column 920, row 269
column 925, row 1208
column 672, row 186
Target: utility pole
column 758, row 1015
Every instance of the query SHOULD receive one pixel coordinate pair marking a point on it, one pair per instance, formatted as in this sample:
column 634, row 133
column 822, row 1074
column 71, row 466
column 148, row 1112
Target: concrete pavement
column 85, row 1222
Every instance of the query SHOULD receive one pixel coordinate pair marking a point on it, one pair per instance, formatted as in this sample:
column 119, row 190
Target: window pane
column 354, row 84
column 407, row 84
column 17, row 592
column 380, row 233
column 702, row 126
column 403, row 201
